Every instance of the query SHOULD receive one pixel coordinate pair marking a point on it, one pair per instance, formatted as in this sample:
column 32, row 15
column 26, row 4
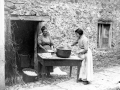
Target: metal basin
column 29, row 75
column 63, row 53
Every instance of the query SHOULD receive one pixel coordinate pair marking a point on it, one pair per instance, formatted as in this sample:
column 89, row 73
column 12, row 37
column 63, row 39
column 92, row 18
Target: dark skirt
column 48, row 69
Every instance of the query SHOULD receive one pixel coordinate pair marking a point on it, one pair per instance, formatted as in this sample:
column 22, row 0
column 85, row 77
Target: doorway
column 23, row 37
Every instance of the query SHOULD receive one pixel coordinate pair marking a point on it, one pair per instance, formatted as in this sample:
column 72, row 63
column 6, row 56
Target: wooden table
column 53, row 60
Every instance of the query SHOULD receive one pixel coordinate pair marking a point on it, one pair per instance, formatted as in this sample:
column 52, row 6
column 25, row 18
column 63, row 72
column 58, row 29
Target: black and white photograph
column 60, row 45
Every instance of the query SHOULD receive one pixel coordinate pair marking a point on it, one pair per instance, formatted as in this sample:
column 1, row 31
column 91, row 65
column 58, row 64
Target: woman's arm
column 40, row 42
column 75, row 42
column 42, row 47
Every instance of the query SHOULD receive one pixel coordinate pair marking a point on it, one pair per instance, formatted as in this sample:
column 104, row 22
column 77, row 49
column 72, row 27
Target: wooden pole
column 110, row 35
column 35, row 47
column 2, row 47
column 100, row 36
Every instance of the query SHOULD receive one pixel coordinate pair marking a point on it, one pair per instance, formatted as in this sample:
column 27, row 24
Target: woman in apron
column 45, row 43
column 86, row 70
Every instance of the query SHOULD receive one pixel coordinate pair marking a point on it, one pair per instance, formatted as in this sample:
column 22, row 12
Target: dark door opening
column 23, row 34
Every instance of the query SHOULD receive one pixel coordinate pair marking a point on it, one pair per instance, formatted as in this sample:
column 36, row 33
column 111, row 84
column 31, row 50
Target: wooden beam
column 31, row 18
column 2, row 47
column 100, row 22
column 110, row 35
column 100, row 35
column 35, row 47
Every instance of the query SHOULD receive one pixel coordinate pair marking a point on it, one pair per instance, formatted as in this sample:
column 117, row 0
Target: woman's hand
column 82, row 51
column 82, row 56
column 74, row 43
column 43, row 47
column 52, row 47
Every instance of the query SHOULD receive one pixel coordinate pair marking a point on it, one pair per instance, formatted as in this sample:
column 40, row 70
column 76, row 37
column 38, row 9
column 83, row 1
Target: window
column 104, row 35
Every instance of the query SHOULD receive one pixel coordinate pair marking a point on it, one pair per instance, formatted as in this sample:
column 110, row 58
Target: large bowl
column 63, row 53
column 29, row 75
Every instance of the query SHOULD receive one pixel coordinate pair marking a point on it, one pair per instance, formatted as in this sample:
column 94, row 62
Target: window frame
column 99, row 41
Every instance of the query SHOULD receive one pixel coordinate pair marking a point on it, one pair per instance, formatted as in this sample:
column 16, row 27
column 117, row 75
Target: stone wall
column 66, row 16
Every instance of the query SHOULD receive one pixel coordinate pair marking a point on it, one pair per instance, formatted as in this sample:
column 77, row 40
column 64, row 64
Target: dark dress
column 45, row 42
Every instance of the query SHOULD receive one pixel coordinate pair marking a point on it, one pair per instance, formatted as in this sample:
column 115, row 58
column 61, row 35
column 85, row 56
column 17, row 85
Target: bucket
column 29, row 75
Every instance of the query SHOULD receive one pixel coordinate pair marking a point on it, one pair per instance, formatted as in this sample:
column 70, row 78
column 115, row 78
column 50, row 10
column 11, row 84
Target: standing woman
column 86, row 70
column 45, row 43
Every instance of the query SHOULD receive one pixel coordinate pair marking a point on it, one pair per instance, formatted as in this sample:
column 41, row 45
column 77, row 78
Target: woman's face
column 45, row 32
column 77, row 34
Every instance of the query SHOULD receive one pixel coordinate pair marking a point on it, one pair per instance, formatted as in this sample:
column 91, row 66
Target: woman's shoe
column 86, row 82
column 80, row 80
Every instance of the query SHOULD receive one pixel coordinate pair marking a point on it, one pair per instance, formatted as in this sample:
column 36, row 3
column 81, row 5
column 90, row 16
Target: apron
column 47, row 45
column 86, row 70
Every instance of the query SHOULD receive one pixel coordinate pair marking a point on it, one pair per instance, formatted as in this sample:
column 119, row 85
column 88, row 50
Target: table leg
column 78, row 71
column 39, row 72
column 43, row 72
column 70, row 70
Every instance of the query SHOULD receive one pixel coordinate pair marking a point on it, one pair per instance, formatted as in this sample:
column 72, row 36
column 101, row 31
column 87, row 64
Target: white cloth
column 58, row 71
column 86, row 70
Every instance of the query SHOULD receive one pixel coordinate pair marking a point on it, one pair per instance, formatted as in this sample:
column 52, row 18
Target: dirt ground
column 106, row 77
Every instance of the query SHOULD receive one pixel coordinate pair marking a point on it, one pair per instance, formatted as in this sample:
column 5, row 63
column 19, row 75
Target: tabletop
column 54, row 56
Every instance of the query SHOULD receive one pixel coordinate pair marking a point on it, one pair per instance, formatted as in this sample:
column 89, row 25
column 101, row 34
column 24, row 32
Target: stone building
column 98, row 18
